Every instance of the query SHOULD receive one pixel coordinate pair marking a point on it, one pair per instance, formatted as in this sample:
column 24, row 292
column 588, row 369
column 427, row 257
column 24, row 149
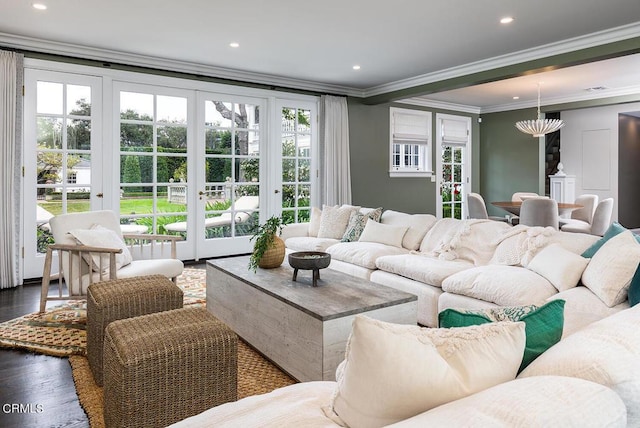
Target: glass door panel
column 451, row 189
column 153, row 129
column 296, row 164
column 61, row 124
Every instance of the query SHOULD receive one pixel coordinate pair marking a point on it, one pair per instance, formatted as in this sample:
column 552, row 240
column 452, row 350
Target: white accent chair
column 521, row 196
column 539, row 212
column 582, row 216
column 478, row 209
column 108, row 256
column 242, row 209
column 600, row 223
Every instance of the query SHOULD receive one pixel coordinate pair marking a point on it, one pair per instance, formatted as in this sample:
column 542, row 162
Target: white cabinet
column 563, row 188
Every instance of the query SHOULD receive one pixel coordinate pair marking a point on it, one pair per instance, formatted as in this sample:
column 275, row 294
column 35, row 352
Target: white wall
column 589, row 149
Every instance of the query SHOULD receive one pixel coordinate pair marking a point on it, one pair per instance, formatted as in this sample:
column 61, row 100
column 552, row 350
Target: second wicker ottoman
column 164, row 367
column 118, row 299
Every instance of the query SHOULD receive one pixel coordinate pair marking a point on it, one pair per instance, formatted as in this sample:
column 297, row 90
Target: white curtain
column 11, row 77
column 334, row 147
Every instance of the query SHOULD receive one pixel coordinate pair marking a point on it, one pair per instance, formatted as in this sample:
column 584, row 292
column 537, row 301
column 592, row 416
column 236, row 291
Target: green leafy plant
column 264, row 237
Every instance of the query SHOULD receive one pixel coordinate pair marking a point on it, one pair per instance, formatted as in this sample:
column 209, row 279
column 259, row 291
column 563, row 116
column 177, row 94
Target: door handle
column 276, row 191
column 100, row 195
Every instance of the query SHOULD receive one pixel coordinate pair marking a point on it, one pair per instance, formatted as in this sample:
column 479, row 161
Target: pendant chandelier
column 539, row 127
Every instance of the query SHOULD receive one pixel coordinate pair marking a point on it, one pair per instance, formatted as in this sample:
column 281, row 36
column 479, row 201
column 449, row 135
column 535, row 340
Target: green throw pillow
column 543, row 324
column 634, row 288
column 613, row 230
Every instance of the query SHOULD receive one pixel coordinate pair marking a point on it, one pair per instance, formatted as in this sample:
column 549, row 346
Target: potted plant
column 268, row 250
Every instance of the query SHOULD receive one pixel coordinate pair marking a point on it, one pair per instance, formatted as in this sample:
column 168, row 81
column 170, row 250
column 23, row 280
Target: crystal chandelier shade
column 539, row 127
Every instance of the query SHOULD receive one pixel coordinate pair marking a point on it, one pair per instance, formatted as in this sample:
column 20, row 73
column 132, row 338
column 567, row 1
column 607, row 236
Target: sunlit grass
column 128, row 206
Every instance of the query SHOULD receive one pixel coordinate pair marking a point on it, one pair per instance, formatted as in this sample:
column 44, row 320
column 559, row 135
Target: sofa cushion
column 383, row 234
column 582, row 308
column 606, row 352
column 543, row 323
column 298, row 405
column 304, row 243
column 418, row 224
column 428, row 367
column 334, row 220
column 357, row 222
column 561, row 267
column 612, row 268
column 541, row 401
column 362, row 254
column 502, row 285
column 420, row 268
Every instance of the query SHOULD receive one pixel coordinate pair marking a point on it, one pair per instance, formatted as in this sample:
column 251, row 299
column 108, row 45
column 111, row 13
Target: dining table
column 513, row 207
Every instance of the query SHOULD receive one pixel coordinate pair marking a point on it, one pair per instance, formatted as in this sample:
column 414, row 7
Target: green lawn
column 127, row 206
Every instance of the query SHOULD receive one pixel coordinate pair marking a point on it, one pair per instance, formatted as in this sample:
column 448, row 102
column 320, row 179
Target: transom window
column 410, row 143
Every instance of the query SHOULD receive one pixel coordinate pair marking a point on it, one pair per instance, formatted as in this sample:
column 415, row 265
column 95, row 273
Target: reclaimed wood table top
column 337, row 294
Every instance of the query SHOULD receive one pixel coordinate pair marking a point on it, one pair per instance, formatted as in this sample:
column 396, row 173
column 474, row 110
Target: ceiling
column 314, row 45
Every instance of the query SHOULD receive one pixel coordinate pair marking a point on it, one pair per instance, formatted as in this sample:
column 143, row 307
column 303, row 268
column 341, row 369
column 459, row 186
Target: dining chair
column 90, row 248
column 600, row 223
column 518, row 196
column 478, row 209
column 539, row 212
column 582, row 216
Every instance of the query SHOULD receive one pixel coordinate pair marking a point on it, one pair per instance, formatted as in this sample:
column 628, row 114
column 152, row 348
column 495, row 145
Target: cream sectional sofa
column 469, row 264
column 588, row 379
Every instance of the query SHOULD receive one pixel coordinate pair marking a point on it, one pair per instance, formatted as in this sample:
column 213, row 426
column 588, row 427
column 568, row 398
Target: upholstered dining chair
column 539, row 212
column 520, row 196
column 478, row 209
column 582, row 216
column 600, row 222
column 90, row 247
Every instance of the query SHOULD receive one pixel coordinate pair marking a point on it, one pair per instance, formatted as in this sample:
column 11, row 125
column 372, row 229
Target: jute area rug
column 60, row 332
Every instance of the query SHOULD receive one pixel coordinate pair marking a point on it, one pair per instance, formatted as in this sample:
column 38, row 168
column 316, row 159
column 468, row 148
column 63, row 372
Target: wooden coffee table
column 302, row 329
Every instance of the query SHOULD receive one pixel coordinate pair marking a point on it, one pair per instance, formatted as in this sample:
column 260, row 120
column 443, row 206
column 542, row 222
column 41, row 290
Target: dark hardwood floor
column 35, row 390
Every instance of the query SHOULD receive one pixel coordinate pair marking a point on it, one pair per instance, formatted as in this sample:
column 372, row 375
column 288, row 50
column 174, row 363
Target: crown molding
column 442, row 105
column 119, row 57
column 561, row 47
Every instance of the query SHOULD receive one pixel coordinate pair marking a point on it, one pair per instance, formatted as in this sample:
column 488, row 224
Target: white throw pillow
column 314, row 221
column 98, row 236
column 334, row 220
column 560, row 267
column 393, row 372
column 612, row 267
column 383, row 234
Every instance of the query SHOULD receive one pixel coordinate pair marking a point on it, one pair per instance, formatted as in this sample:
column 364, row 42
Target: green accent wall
column 510, row 161
column 371, row 185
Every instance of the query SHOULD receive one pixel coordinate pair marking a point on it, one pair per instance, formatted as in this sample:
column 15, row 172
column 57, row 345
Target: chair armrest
column 84, row 248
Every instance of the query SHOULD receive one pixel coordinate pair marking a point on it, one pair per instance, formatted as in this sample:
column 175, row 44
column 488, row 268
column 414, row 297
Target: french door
column 204, row 161
column 62, row 152
column 453, row 165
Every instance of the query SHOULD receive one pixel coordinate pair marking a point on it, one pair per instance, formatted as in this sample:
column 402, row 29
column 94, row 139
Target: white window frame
column 412, row 148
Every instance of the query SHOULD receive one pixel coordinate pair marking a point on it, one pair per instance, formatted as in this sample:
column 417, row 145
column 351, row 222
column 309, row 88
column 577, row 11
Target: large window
column 410, row 143
column 296, row 164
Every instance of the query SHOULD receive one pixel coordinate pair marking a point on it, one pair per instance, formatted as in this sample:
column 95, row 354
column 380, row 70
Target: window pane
column 136, row 106
column 218, row 142
column 79, row 100
column 218, row 169
column 49, row 133
column 213, row 115
column 249, row 169
column 304, row 121
column 49, row 167
column 304, row 167
column 288, row 147
column 289, row 196
column 172, row 109
column 241, row 143
column 172, row 139
column 78, row 134
column 136, row 138
column 288, row 170
column 79, row 169
column 49, row 98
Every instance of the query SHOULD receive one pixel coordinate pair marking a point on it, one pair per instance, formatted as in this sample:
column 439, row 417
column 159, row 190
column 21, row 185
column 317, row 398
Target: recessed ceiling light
column 356, row 67
column 39, row 6
column 506, row 20
column 596, row 88
column 234, row 44
column 516, row 97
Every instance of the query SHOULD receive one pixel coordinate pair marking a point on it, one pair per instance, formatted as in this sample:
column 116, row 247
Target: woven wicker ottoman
column 164, row 367
column 118, row 299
